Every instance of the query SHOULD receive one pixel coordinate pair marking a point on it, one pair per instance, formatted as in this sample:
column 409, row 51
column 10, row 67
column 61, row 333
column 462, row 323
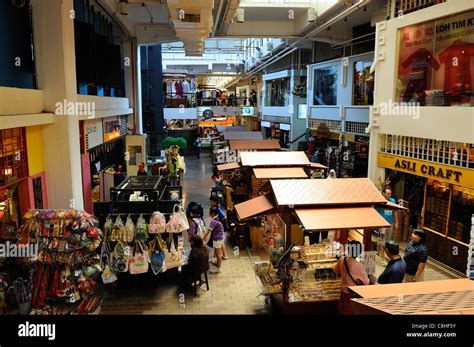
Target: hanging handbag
column 108, row 276
column 129, row 234
column 173, row 257
column 138, row 264
column 119, row 258
column 178, row 221
column 157, row 257
column 157, row 223
column 141, row 229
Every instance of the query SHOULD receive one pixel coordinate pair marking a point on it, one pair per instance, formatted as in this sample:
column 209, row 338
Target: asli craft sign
column 443, row 173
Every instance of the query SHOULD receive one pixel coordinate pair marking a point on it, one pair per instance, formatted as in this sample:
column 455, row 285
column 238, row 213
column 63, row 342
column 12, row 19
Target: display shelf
column 316, row 291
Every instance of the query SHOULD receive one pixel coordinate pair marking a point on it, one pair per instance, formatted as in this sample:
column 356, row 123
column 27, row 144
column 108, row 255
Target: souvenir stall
column 57, row 265
column 299, row 277
column 143, row 225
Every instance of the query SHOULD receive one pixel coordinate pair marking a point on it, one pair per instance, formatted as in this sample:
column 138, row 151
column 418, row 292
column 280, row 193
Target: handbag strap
column 174, row 208
column 349, row 272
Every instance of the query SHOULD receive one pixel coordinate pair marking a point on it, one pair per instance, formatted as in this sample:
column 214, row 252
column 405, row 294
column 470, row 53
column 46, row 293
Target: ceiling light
column 240, row 15
column 123, row 7
column 311, row 14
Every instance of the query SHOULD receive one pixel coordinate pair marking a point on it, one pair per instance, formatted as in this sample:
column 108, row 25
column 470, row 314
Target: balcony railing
column 437, row 151
column 397, row 8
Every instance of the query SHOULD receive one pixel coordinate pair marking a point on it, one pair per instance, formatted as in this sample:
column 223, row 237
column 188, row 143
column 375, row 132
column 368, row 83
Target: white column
column 138, row 74
column 56, row 68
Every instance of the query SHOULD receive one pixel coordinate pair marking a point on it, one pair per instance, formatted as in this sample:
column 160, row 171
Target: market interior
column 236, row 157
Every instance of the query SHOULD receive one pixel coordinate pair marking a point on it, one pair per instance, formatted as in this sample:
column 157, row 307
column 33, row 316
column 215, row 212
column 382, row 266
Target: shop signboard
column 94, row 133
column 443, row 173
column 247, row 111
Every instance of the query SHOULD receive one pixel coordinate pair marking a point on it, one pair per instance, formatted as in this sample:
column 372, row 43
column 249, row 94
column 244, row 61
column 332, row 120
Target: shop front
column 22, row 175
column 441, row 201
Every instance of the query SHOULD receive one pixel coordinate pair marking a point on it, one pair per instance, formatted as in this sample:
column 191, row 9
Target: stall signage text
column 438, row 172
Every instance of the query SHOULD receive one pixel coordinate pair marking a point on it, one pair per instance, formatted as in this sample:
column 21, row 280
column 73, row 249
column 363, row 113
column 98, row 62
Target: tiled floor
column 234, row 291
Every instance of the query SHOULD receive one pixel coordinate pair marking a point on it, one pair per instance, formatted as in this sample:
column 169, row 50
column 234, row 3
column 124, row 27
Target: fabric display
column 66, row 268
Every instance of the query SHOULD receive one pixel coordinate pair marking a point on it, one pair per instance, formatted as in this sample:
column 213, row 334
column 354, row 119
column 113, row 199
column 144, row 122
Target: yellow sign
column 443, row 173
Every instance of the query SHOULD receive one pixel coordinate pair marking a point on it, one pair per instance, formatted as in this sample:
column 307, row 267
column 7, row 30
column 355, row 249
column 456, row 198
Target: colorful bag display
column 157, row 257
column 157, row 223
column 178, row 221
column 138, row 263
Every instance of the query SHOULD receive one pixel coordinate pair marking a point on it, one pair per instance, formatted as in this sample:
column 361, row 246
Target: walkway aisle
column 234, row 291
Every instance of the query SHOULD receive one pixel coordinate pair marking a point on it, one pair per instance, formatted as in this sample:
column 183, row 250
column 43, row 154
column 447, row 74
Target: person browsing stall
column 396, row 267
column 352, row 273
column 416, row 256
column 222, row 218
column 216, row 229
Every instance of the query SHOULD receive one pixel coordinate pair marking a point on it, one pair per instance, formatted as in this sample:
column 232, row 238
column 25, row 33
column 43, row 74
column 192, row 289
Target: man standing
column 396, row 267
column 416, row 256
column 386, row 233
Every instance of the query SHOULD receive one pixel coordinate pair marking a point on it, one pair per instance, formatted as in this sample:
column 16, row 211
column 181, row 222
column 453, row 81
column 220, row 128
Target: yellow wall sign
column 443, row 173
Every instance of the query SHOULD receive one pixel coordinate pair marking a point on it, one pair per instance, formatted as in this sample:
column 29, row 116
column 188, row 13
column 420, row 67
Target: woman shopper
column 352, row 273
column 416, row 256
column 216, row 230
column 197, row 226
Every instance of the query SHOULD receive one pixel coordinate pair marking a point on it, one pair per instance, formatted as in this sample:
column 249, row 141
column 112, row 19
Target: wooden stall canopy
column 317, row 166
column 391, row 206
column 259, row 159
column 243, row 135
column 254, row 207
column 274, row 173
column 341, row 218
column 453, row 296
column 413, row 288
column 238, row 145
column 314, row 192
column 228, row 166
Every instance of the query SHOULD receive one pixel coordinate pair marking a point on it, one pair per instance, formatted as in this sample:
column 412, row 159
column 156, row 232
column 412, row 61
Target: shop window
column 278, row 92
column 364, row 82
column 462, row 209
column 13, row 158
column 325, row 85
column 435, row 62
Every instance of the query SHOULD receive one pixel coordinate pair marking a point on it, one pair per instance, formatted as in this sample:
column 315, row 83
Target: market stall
column 307, row 282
